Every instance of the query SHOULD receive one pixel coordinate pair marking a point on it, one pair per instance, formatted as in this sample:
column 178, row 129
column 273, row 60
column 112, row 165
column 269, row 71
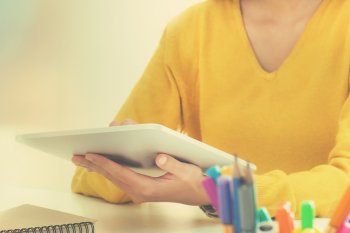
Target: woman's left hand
column 181, row 183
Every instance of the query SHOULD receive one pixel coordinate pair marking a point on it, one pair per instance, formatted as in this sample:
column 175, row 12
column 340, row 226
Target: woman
column 265, row 79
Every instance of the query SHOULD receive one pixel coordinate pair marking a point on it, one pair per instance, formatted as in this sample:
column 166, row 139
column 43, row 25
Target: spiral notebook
column 34, row 219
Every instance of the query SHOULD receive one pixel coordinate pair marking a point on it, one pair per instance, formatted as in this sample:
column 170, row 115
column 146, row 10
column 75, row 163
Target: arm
column 325, row 184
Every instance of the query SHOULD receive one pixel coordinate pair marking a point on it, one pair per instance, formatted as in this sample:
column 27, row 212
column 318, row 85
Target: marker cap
column 213, row 172
column 263, row 215
column 307, row 211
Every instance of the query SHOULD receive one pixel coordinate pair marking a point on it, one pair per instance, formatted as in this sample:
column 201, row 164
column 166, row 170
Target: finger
column 183, row 171
column 118, row 172
column 125, row 122
column 77, row 159
column 80, row 160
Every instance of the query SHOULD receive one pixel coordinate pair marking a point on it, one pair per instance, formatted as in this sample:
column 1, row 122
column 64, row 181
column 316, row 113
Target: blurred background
column 69, row 65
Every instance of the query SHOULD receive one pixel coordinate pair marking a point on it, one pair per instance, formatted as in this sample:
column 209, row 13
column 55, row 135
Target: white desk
column 150, row 217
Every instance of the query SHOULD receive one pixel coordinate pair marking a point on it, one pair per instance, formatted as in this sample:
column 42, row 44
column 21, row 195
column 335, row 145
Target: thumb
column 184, row 171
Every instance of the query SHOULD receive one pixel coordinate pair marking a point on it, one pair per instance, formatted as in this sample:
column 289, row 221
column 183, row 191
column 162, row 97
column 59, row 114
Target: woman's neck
column 277, row 10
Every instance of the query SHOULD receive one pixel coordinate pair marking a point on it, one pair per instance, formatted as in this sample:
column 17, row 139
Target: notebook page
column 26, row 216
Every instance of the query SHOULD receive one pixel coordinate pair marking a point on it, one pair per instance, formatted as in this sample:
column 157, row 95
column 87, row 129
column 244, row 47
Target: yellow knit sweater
column 294, row 123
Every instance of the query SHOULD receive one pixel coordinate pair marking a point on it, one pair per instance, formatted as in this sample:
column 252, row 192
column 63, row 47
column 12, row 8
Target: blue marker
column 225, row 202
column 247, row 204
column 214, row 172
column 238, row 181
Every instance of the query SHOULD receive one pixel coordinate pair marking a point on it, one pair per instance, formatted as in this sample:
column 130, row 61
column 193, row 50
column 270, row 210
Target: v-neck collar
column 243, row 35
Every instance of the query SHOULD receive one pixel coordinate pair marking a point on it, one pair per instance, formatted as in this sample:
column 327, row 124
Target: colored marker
column 238, row 181
column 284, row 219
column 249, row 179
column 345, row 228
column 263, row 215
column 307, row 211
column 264, row 222
column 225, row 202
column 213, row 172
column 247, row 205
column 210, row 187
column 340, row 212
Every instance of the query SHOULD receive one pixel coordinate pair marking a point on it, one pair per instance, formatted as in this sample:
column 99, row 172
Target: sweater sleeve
column 154, row 99
column 324, row 184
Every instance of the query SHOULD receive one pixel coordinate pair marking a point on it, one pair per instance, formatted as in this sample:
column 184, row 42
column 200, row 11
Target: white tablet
column 132, row 145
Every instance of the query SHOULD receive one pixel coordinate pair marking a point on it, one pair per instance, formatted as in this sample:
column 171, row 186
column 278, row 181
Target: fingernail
column 90, row 157
column 161, row 160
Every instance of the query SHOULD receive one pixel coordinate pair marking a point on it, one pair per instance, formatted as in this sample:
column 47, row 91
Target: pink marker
column 345, row 227
column 210, row 187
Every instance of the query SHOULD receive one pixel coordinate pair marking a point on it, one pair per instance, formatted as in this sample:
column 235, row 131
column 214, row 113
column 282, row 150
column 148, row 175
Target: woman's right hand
column 181, row 182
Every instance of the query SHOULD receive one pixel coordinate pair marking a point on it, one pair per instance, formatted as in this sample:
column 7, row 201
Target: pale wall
column 69, row 64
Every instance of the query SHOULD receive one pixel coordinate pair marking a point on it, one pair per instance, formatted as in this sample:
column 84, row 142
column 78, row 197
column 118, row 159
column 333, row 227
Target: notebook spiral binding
column 83, row 227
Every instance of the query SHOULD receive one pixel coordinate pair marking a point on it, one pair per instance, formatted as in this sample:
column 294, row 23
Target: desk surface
column 150, row 217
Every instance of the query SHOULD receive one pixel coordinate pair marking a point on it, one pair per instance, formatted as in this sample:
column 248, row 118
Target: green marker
column 263, row 215
column 307, row 215
column 264, row 222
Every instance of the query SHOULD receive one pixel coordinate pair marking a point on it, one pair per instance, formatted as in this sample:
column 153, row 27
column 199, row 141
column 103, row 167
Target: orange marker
column 340, row 213
column 285, row 219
